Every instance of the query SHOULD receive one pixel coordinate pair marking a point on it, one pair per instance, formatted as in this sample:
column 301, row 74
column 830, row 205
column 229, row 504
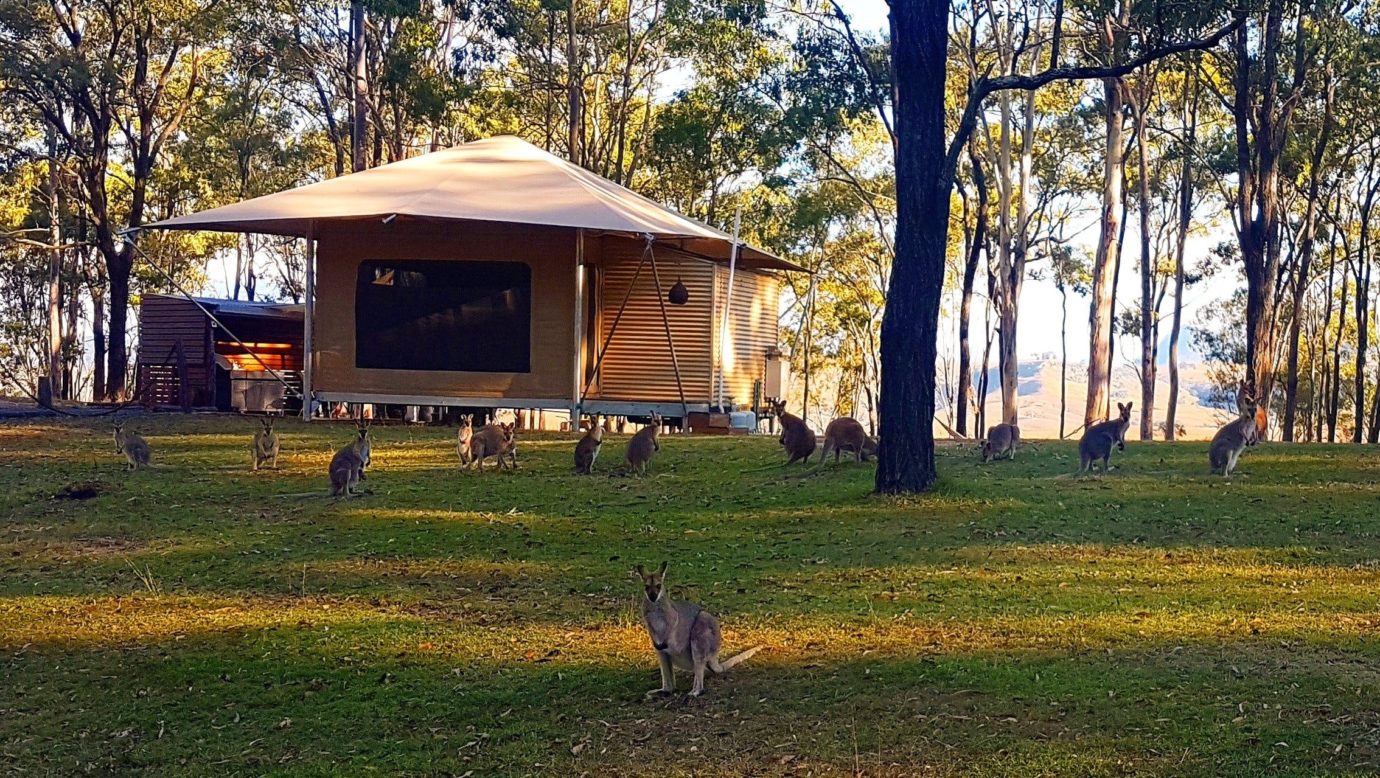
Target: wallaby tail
column 738, row 658
column 764, row 469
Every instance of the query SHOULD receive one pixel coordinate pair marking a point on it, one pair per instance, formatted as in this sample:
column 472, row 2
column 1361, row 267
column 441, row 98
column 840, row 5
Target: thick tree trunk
column 1180, row 241
column 98, row 355
column 1104, row 263
column 117, row 358
column 1334, row 402
column 919, row 47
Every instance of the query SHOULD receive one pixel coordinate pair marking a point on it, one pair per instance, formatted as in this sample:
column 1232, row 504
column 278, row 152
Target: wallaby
column 1001, row 439
column 796, row 436
column 1230, row 441
column 347, row 466
column 265, row 445
column 846, row 434
column 587, row 450
column 494, row 440
column 1098, row 439
column 644, row 445
column 463, row 437
column 135, row 449
column 684, row 635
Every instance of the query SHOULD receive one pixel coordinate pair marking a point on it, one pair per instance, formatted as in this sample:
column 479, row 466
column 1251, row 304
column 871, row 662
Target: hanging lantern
column 678, row 295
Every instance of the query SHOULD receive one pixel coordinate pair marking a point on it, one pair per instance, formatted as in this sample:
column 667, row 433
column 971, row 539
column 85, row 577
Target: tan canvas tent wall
column 558, row 246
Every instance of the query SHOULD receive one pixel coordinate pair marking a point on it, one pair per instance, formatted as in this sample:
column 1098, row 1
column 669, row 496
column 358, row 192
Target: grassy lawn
column 1018, row 621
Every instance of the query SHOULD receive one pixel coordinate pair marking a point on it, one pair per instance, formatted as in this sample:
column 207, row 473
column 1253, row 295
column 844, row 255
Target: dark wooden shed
column 187, row 360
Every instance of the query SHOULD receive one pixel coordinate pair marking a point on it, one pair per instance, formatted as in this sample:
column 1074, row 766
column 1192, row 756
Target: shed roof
column 502, row 179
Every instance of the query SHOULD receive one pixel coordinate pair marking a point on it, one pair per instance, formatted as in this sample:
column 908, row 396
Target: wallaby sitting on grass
column 135, row 449
column 463, row 437
column 644, row 446
column 847, row 434
column 265, row 448
column 587, row 450
column 796, row 436
column 347, row 466
column 1001, row 439
column 1098, row 439
column 1230, row 441
column 684, row 635
column 494, row 440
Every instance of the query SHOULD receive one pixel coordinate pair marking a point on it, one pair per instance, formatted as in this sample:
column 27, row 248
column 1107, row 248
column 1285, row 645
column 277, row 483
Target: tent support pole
column 309, row 300
column 666, row 322
column 728, row 305
column 599, row 360
column 576, row 358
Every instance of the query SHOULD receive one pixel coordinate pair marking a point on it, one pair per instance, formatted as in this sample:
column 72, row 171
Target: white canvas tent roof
column 502, row 179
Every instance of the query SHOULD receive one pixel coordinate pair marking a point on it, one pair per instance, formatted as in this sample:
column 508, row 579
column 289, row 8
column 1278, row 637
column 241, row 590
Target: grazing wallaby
column 265, row 445
column 463, row 437
column 135, row 449
column 347, row 466
column 1098, row 439
column 644, row 445
column 1230, row 441
column 494, row 440
column 846, row 434
column 796, row 436
column 1001, row 439
column 684, row 635
column 587, row 450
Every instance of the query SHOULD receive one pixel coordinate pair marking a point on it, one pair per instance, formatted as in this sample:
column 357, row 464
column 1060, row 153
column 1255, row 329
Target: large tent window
column 442, row 315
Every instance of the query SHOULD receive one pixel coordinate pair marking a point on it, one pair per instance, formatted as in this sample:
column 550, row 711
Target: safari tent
column 494, row 274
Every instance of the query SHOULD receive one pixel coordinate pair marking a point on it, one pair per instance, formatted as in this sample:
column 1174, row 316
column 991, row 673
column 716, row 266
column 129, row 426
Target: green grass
column 1017, row 621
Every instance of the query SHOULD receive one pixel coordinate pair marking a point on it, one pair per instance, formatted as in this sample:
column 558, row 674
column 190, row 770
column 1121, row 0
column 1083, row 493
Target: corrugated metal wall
column 637, row 365
column 752, row 329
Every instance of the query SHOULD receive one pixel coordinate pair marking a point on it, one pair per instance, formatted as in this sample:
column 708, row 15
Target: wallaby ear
column 1128, row 406
column 640, row 571
column 662, row 569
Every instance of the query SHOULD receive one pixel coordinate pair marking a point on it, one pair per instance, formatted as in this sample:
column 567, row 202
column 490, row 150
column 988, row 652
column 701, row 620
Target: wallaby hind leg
column 668, row 681
column 701, row 662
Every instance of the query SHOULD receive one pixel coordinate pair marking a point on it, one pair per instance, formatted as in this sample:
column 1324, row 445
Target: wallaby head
column 267, row 423
column 119, row 437
column 596, row 430
column 778, row 407
column 653, row 584
column 466, row 425
column 1125, row 410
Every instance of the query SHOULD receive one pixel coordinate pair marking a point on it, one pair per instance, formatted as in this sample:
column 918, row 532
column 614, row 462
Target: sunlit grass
column 193, row 619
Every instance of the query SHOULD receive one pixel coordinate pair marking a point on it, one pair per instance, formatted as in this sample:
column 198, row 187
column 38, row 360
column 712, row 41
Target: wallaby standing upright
column 684, row 635
column 847, row 434
column 347, row 466
column 796, row 436
column 494, row 440
column 1098, row 439
column 135, row 449
column 644, row 445
column 463, row 437
column 1001, row 439
column 265, row 445
column 587, row 450
column 1232, row 439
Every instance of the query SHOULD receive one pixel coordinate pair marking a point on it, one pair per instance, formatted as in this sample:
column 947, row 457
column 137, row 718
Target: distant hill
column 1038, row 394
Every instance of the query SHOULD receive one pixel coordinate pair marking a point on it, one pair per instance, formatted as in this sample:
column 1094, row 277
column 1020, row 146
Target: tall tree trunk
column 1310, row 220
column 54, row 268
column 1363, row 276
column 1104, row 262
column 1334, row 403
column 919, row 52
column 575, row 90
column 1063, row 357
column 1139, row 105
column 98, row 349
column 965, row 358
column 1180, row 240
column 359, row 73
